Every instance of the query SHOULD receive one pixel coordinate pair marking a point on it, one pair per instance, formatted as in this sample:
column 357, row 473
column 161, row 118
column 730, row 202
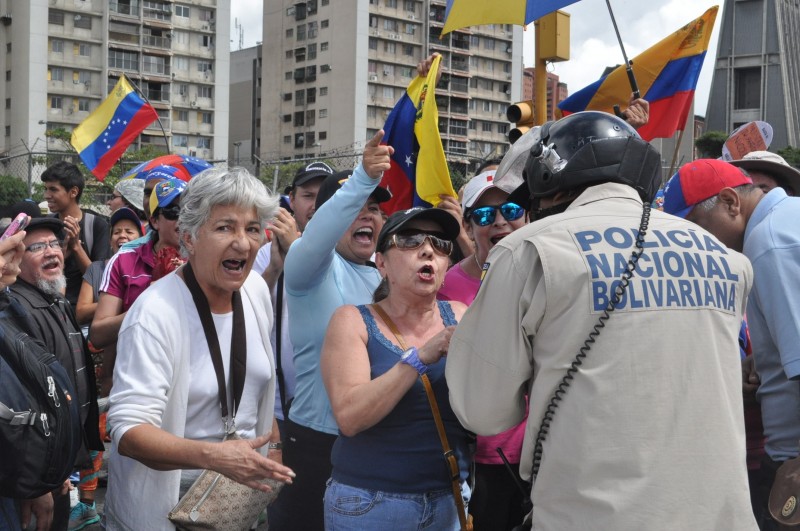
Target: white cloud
column 249, row 14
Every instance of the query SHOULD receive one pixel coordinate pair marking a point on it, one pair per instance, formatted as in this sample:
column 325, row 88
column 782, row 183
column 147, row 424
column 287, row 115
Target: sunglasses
column 486, row 215
column 171, row 213
column 415, row 240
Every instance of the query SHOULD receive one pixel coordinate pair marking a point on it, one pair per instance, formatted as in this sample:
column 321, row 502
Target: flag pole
column 144, row 97
column 628, row 64
column 675, row 154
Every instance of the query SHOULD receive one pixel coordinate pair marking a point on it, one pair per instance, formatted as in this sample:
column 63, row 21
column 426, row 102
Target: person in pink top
column 497, row 502
column 131, row 271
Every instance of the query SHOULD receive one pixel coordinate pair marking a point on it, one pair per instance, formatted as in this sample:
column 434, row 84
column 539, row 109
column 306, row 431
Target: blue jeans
column 358, row 509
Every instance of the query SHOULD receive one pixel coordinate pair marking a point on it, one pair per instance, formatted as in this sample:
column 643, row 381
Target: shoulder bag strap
column 449, row 455
column 278, row 334
column 238, row 344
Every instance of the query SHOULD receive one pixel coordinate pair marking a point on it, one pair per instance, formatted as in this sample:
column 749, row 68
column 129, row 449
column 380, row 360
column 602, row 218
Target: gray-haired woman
column 165, row 410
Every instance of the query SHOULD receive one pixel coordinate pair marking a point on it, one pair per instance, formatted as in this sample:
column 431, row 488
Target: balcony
column 155, row 68
column 126, row 38
column 130, row 8
column 154, row 41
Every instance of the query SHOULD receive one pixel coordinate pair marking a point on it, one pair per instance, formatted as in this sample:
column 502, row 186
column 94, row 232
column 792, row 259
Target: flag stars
column 409, row 162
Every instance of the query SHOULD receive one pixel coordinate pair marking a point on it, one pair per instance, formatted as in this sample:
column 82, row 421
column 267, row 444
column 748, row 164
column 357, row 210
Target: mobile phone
column 19, row 223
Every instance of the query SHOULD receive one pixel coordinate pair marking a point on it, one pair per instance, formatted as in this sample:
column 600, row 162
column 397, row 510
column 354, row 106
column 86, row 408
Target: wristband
column 411, row 357
column 275, row 446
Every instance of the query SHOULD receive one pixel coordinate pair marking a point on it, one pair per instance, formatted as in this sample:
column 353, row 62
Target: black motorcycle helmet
column 588, row 148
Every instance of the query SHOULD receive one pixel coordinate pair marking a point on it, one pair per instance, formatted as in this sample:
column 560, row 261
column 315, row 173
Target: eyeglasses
column 486, row 215
column 415, row 240
column 116, row 196
column 171, row 213
column 36, row 248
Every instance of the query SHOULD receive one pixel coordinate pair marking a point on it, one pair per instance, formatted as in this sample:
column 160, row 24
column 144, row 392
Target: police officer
column 646, row 431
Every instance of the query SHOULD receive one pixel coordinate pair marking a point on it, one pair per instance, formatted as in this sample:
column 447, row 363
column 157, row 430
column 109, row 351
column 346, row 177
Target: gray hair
column 222, row 186
column 709, row 204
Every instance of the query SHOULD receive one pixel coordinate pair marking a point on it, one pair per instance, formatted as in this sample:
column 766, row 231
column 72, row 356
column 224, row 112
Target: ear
column 73, row 192
column 188, row 244
column 380, row 263
column 731, row 201
column 467, row 224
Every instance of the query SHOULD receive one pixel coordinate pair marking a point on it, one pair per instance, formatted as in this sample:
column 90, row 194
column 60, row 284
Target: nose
column 426, row 249
column 241, row 241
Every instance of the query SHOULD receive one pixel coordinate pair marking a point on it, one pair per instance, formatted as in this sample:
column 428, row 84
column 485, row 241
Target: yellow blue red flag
column 103, row 136
column 419, row 171
column 463, row 13
column 667, row 75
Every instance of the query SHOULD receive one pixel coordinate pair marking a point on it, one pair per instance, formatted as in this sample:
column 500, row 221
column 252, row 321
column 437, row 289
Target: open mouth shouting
column 426, row 273
column 234, row 266
column 363, row 235
column 52, row 265
column 498, row 237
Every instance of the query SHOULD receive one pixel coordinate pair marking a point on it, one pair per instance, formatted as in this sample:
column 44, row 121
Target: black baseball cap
column 333, row 182
column 311, row 171
column 401, row 218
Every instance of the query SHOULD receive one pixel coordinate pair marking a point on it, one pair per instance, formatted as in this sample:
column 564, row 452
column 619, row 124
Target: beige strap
column 449, row 455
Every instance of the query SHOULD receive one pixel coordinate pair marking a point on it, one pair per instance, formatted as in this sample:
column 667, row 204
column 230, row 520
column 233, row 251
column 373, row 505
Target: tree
column 12, row 190
column 710, row 144
column 791, row 154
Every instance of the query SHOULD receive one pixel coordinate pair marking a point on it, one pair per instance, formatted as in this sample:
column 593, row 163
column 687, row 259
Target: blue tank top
column 402, row 452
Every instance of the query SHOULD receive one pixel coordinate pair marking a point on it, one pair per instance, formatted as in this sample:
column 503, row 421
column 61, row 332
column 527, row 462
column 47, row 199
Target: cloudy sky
column 593, row 42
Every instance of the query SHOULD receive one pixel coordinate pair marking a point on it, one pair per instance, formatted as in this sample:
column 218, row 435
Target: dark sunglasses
column 415, row 240
column 171, row 213
column 486, row 215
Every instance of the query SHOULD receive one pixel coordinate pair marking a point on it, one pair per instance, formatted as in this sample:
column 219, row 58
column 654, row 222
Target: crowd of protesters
column 553, row 349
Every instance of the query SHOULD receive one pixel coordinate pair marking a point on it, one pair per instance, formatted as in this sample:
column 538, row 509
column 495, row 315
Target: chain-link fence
column 20, row 175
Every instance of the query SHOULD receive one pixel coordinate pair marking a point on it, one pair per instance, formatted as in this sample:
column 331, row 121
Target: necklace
column 480, row 265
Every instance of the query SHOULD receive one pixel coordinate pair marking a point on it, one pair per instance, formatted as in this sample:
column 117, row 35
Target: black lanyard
column 238, row 343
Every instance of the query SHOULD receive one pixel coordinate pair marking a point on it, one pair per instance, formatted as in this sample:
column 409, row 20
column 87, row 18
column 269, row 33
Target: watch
column 411, row 357
column 275, row 446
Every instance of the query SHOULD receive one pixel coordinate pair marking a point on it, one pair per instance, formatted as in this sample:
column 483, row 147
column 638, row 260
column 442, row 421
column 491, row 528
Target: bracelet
column 275, row 446
column 411, row 357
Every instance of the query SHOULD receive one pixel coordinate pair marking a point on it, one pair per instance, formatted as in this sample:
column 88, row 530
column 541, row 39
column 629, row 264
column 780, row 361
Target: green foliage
column 791, row 154
column 12, row 190
column 710, row 144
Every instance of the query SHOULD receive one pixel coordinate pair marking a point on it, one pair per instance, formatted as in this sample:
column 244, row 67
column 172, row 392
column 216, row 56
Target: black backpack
column 40, row 431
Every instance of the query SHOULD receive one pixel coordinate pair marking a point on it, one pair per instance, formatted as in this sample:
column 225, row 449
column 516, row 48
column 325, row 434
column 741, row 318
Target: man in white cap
column 769, row 170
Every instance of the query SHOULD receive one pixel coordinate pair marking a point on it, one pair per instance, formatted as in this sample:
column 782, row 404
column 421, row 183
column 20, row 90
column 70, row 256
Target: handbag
column 215, row 501
column 464, row 518
column 784, row 497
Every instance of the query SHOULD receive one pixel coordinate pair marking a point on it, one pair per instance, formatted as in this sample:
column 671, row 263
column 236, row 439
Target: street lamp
column 237, row 144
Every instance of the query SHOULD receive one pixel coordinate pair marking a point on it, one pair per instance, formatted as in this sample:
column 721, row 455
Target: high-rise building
column 61, row 58
column 556, row 91
column 245, row 115
column 336, row 69
column 757, row 69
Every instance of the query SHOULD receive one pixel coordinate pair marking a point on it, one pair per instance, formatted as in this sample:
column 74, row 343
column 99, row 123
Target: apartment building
column 556, row 91
column 61, row 58
column 334, row 70
column 757, row 69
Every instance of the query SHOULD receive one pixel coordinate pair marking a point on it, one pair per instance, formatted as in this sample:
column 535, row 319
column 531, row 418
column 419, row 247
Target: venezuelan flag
column 667, row 75
column 418, row 172
column 464, row 13
column 103, row 136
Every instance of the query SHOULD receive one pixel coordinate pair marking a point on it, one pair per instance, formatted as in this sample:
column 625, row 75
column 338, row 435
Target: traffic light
column 522, row 114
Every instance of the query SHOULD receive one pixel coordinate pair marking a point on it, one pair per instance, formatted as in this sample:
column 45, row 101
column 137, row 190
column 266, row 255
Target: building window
column 310, row 139
column 83, row 49
column 56, row 73
column 204, row 66
column 487, row 105
column 83, row 22
column 289, row 54
column 287, row 96
column 311, row 73
column 180, row 141
column 180, row 63
column 183, row 12
column 290, row 33
column 203, row 142
column 299, row 98
column 310, row 118
column 388, row 93
column 8, row 103
column 206, row 41
column 323, row 47
column 372, row 112
column 8, row 130
column 287, row 139
column 205, row 91
column 83, row 105
column 388, row 70
column 486, row 127
column 55, row 17
column 408, row 50
column 55, row 102
column 180, row 37
column 408, row 5
column 390, row 25
column 301, row 32
column 85, row 77
column 299, row 140
column 311, row 6
column 311, row 95
column 205, row 118
column 287, row 76
column 299, row 119
column 312, row 51
column 488, row 44
column 373, row 21
column 373, row 43
column 57, row 46
column 389, row 47
column 323, row 113
column 312, row 30
column 324, row 23
column 324, row 2
column 391, row 3
column 123, row 60
column 323, row 91
column 206, row 15
column 323, row 135
column 181, row 116
column 502, row 129
column 748, row 88
column 287, row 118
column 411, row 29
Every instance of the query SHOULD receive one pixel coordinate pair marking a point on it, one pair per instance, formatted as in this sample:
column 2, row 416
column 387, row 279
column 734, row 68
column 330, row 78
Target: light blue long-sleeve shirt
column 317, row 281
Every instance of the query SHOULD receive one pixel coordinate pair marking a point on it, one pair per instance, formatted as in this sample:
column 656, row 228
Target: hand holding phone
column 19, row 224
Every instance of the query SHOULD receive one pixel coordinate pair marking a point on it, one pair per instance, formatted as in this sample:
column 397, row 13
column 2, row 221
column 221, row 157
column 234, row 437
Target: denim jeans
column 352, row 508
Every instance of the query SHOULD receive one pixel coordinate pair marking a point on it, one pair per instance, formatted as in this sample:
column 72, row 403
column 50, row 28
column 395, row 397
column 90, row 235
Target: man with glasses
column 130, row 271
column 40, row 289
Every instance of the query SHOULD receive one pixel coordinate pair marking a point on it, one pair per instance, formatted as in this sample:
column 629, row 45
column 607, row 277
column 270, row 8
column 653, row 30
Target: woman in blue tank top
column 389, row 471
